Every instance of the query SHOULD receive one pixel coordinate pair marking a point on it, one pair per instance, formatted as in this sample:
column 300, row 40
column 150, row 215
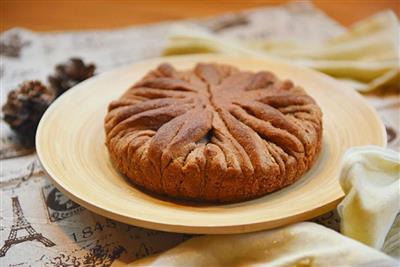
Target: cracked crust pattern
column 213, row 133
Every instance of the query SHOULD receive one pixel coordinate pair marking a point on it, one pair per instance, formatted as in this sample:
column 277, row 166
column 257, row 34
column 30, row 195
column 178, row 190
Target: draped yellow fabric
column 366, row 56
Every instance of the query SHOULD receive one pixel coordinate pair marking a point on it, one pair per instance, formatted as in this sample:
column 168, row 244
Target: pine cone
column 69, row 74
column 24, row 108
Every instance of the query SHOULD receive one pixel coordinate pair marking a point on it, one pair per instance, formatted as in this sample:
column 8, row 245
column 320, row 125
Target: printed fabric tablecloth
column 39, row 226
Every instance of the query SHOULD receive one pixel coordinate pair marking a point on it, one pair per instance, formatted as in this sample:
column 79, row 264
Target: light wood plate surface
column 70, row 145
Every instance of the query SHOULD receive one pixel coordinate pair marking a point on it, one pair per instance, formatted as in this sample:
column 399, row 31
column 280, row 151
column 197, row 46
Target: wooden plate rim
column 182, row 228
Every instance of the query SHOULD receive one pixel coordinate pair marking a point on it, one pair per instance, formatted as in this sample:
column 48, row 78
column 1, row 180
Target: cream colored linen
column 368, row 53
column 370, row 180
column 302, row 244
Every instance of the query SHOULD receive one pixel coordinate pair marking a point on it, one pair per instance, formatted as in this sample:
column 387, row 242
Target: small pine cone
column 69, row 74
column 24, row 108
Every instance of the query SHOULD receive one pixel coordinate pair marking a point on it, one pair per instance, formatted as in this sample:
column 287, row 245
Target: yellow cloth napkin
column 302, row 244
column 366, row 56
column 370, row 179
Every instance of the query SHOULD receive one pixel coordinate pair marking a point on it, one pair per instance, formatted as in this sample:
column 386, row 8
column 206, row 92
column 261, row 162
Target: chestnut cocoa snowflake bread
column 213, row 133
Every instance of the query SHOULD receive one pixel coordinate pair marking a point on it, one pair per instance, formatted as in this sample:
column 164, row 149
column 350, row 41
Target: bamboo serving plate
column 70, row 144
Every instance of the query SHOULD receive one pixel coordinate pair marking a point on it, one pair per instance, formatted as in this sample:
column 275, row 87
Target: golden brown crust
column 213, row 133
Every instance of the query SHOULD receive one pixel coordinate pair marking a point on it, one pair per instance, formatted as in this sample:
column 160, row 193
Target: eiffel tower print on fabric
column 21, row 223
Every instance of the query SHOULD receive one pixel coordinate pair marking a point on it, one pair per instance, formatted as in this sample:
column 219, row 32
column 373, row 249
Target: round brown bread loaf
column 213, row 133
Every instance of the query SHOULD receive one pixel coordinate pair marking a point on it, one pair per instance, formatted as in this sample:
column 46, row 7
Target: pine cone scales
column 24, row 108
column 69, row 74
column 26, row 105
